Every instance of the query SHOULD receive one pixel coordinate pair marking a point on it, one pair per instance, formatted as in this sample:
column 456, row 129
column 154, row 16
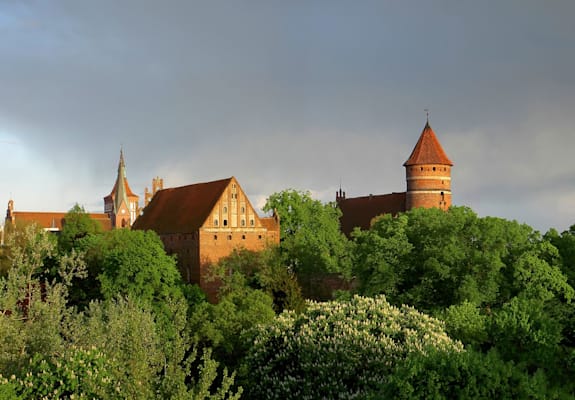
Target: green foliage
column 434, row 259
column 47, row 349
column 77, row 225
column 311, row 241
column 467, row 322
column 498, row 284
column 463, row 375
column 226, row 326
column 337, row 350
column 134, row 264
column 34, row 309
column 523, row 331
column 246, row 270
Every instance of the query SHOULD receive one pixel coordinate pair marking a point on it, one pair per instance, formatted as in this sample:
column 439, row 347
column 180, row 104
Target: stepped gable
column 428, row 150
column 183, row 209
column 360, row 211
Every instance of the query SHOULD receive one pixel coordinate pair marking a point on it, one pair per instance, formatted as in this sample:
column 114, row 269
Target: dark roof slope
column 428, row 150
column 359, row 211
column 181, row 210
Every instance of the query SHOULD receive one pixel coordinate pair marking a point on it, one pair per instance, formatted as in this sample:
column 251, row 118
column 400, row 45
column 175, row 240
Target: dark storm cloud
column 291, row 94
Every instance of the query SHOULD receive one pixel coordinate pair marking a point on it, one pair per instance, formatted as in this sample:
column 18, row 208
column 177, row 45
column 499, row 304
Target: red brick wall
column 216, row 244
column 428, row 186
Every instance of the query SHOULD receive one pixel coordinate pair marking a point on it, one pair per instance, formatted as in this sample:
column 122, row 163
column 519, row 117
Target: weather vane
column 427, row 113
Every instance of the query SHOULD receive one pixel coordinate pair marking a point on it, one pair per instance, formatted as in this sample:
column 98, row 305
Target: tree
column 135, row 264
column 434, row 259
column 245, row 270
column 464, row 375
column 34, row 307
column 311, row 241
column 77, row 225
column 116, row 349
column 337, row 350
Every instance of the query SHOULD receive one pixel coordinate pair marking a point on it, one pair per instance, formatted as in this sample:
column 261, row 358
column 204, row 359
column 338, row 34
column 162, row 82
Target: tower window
column 252, row 222
column 434, row 168
column 225, row 210
column 243, row 223
column 225, row 222
column 216, row 222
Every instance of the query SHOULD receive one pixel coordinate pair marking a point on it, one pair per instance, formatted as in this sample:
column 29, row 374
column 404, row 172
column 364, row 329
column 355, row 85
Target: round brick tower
column 428, row 173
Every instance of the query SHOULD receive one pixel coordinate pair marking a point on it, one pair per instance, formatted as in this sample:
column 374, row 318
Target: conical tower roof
column 428, row 150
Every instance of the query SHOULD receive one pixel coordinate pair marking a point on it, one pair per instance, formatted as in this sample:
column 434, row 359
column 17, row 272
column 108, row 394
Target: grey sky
column 289, row 94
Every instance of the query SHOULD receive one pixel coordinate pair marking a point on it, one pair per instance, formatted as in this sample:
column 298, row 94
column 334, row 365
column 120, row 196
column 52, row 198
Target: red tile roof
column 359, row 211
column 270, row 223
column 183, row 209
column 428, row 150
column 55, row 220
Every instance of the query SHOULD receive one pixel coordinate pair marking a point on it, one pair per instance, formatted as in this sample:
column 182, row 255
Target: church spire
column 122, row 204
column 121, row 184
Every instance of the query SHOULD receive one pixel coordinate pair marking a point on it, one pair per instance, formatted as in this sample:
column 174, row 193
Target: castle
column 428, row 176
column 201, row 223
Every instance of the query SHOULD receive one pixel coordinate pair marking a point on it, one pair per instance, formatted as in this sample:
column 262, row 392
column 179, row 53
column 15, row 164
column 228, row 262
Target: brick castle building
column 428, row 176
column 204, row 222
column 49, row 221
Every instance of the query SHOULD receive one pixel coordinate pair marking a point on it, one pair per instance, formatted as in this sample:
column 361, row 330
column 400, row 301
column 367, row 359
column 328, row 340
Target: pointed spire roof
column 121, row 189
column 428, row 150
column 121, row 195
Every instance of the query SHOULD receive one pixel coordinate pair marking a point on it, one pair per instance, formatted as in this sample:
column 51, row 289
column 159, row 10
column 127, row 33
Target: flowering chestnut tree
column 338, row 350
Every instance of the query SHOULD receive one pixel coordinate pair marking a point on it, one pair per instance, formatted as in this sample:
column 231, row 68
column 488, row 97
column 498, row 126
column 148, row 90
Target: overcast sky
column 289, row 94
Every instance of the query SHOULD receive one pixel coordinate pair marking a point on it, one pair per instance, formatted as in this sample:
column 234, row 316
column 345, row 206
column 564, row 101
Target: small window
column 243, row 222
column 225, row 210
column 225, row 222
column 215, row 237
column 260, row 237
column 216, row 222
column 434, row 168
column 243, row 237
column 229, row 237
column 252, row 222
column 243, row 210
column 422, row 168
